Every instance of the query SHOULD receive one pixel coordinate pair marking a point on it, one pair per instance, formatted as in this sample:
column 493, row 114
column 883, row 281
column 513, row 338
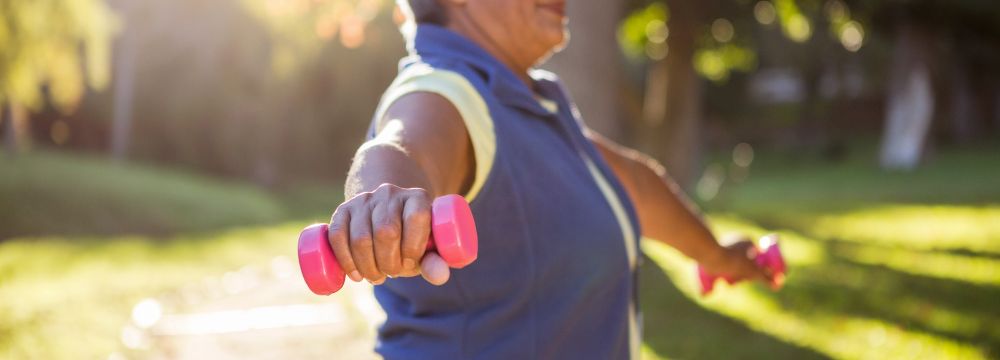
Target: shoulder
column 444, row 107
column 434, row 89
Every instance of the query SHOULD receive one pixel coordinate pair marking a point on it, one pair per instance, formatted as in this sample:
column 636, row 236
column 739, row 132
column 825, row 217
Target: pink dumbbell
column 453, row 236
column 770, row 258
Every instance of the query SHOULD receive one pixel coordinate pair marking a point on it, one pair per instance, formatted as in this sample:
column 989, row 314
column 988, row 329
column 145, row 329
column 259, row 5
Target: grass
column 60, row 194
column 104, row 236
column 883, row 265
column 68, row 297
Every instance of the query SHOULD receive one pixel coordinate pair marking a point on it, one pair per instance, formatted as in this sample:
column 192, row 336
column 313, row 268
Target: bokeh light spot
column 710, row 182
column 852, row 36
column 764, row 12
column 798, row 28
column 657, row 31
column 146, row 313
column 352, row 32
column 743, row 155
column 722, row 30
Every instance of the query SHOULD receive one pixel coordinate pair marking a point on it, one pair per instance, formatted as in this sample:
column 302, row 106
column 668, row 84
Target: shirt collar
column 436, row 42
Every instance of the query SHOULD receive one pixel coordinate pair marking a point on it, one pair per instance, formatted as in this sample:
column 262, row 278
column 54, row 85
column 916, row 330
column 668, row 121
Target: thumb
column 434, row 269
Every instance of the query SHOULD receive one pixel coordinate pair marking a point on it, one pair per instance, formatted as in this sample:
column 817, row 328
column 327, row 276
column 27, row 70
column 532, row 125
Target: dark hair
column 427, row 12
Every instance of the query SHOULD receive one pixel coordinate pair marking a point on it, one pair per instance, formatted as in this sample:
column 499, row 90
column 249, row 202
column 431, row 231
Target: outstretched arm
column 421, row 151
column 667, row 215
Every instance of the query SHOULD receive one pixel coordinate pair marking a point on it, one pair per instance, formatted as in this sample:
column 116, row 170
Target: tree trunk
column 996, row 110
column 910, row 103
column 121, row 118
column 15, row 127
column 672, row 111
column 965, row 116
column 591, row 66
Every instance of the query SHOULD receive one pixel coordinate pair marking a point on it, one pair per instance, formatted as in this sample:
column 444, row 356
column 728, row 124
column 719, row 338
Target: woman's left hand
column 736, row 261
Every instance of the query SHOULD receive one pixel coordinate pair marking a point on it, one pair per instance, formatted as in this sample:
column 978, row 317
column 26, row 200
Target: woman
column 559, row 209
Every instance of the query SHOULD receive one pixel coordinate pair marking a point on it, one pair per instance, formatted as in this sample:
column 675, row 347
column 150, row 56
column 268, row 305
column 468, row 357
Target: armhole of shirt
column 470, row 104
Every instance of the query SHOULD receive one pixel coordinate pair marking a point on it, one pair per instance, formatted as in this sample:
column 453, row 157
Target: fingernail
column 355, row 275
column 409, row 263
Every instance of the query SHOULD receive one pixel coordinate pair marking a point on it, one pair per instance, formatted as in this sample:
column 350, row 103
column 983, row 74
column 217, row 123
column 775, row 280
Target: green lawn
column 61, row 194
column 882, row 265
column 82, row 240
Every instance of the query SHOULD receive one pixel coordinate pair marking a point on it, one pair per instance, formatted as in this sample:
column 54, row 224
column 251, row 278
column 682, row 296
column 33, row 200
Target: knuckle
column 420, row 216
column 419, row 193
column 387, row 233
column 358, row 199
column 385, row 191
column 361, row 242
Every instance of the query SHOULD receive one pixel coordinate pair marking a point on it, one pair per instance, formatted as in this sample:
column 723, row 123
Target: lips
column 559, row 8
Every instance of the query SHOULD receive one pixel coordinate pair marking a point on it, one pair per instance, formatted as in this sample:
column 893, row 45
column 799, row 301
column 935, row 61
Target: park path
column 255, row 313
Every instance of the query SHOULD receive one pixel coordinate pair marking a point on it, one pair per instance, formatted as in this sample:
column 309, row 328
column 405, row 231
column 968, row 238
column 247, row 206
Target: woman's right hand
column 384, row 233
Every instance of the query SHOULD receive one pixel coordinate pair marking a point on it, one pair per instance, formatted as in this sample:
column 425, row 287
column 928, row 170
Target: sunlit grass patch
column 969, row 228
column 973, row 269
column 68, row 298
column 826, row 330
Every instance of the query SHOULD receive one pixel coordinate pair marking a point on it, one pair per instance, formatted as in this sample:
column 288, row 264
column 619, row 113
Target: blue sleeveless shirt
column 555, row 276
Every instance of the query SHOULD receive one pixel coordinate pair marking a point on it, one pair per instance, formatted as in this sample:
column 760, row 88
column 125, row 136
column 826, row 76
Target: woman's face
column 526, row 30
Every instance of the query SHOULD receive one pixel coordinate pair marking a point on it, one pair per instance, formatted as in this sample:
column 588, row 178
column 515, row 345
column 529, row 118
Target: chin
column 555, row 37
column 557, row 44
column 561, row 40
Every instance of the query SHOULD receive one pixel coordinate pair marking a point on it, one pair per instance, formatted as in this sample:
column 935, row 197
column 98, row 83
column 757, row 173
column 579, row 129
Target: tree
column 910, row 100
column 591, row 65
column 52, row 49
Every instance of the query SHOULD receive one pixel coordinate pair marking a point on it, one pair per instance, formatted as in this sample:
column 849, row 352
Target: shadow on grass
column 677, row 327
column 949, row 309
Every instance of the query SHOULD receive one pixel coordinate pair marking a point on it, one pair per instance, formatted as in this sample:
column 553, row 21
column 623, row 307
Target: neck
column 479, row 36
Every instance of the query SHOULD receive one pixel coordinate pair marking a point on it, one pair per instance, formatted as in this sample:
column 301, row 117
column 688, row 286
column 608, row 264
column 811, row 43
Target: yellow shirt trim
column 628, row 234
column 471, row 106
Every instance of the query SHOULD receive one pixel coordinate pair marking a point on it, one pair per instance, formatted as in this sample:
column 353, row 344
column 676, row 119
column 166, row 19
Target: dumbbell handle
column 453, row 236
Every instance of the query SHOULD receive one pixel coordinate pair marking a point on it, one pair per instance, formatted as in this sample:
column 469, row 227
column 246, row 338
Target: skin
column 423, row 151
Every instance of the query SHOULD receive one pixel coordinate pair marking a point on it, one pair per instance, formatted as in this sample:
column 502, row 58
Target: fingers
column 416, row 230
column 746, row 248
column 752, row 269
column 387, row 227
column 384, row 233
column 434, row 269
column 339, row 236
column 363, row 246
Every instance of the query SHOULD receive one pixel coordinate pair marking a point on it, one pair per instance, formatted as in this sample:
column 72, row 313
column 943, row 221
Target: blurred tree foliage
column 824, row 45
column 277, row 90
column 51, row 51
column 56, row 45
column 274, row 91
